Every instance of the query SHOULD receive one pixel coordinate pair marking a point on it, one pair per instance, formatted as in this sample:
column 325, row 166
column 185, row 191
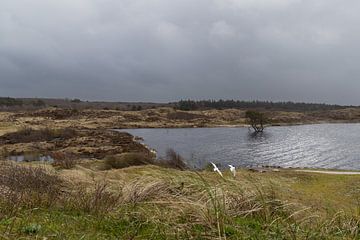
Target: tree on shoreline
column 256, row 119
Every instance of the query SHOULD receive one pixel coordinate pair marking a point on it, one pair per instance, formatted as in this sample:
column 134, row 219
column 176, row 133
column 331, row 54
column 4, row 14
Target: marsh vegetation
column 103, row 184
column 151, row 202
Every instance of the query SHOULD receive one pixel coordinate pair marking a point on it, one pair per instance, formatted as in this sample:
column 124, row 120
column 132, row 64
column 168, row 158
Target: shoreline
column 233, row 125
column 330, row 172
column 165, row 118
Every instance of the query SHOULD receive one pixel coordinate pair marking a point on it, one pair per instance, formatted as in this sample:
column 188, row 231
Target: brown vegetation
column 28, row 186
column 140, row 202
column 27, row 135
column 128, row 159
column 97, row 199
column 148, row 202
column 179, row 115
column 78, row 142
column 63, row 160
column 173, row 160
column 55, row 118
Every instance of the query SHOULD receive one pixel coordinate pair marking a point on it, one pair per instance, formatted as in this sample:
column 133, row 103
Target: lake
column 332, row 146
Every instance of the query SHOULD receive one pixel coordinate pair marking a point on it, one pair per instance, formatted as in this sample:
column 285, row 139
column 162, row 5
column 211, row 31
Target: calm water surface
column 335, row 146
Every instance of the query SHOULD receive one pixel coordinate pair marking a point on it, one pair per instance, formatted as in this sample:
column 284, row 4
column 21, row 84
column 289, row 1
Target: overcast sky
column 165, row 50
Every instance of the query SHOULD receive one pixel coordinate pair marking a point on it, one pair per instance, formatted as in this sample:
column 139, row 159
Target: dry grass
column 173, row 204
column 141, row 190
column 128, row 159
column 97, row 199
column 163, row 117
column 28, row 186
column 64, row 160
column 172, row 160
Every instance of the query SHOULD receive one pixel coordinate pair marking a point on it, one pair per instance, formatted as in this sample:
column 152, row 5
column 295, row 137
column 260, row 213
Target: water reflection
column 258, row 137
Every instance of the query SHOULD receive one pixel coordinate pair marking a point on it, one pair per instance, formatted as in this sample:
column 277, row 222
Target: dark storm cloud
column 161, row 50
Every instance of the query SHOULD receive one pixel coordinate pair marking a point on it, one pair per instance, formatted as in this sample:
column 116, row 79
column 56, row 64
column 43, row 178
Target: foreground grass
column 149, row 202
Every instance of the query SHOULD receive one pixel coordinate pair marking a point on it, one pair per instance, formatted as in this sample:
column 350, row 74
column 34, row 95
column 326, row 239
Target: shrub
column 9, row 102
column 30, row 135
column 98, row 199
column 26, row 185
column 26, row 135
column 4, row 153
column 63, row 160
column 65, row 133
column 128, row 159
column 38, row 103
column 173, row 160
column 142, row 190
column 185, row 116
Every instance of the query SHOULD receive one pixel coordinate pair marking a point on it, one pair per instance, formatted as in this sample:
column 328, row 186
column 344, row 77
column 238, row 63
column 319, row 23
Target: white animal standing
column 232, row 170
column 216, row 169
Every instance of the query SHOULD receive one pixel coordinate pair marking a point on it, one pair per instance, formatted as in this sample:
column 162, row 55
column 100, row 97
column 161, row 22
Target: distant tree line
column 188, row 105
column 9, row 102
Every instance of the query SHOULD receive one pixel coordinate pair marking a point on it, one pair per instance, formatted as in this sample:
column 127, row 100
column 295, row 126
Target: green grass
column 60, row 224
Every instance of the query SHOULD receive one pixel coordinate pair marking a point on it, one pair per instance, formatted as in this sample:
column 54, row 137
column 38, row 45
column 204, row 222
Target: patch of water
column 30, row 158
column 333, row 146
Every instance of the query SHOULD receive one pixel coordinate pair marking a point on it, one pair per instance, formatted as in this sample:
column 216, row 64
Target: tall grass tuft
column 63, row 160
column 97, row 199
column 172, row 160
column 128, row 159
column 141, row 190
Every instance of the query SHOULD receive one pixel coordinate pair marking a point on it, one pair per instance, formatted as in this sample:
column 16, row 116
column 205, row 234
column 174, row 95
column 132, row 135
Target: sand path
column 330, row 172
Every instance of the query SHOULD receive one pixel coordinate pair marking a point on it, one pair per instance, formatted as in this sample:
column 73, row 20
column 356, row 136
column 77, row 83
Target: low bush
column 26, row 135
column 184, row 116
column 173, row 160
column 97, row 200
column 128, row 159
column 142, row 190
column 63, row 160
column 28, row 185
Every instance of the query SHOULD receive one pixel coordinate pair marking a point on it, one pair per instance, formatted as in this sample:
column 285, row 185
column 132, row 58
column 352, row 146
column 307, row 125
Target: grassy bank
column 152, row 202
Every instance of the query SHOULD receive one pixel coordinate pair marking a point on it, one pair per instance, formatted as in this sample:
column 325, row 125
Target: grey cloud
column 160, row 50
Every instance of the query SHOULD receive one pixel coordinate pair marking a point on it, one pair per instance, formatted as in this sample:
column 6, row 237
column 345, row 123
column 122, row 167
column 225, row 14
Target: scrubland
column 103, row 184
column 93, row 201
column 163, row 117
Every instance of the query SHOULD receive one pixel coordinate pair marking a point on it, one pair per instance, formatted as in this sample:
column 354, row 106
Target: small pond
column 333, row 146
column 30, row 158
